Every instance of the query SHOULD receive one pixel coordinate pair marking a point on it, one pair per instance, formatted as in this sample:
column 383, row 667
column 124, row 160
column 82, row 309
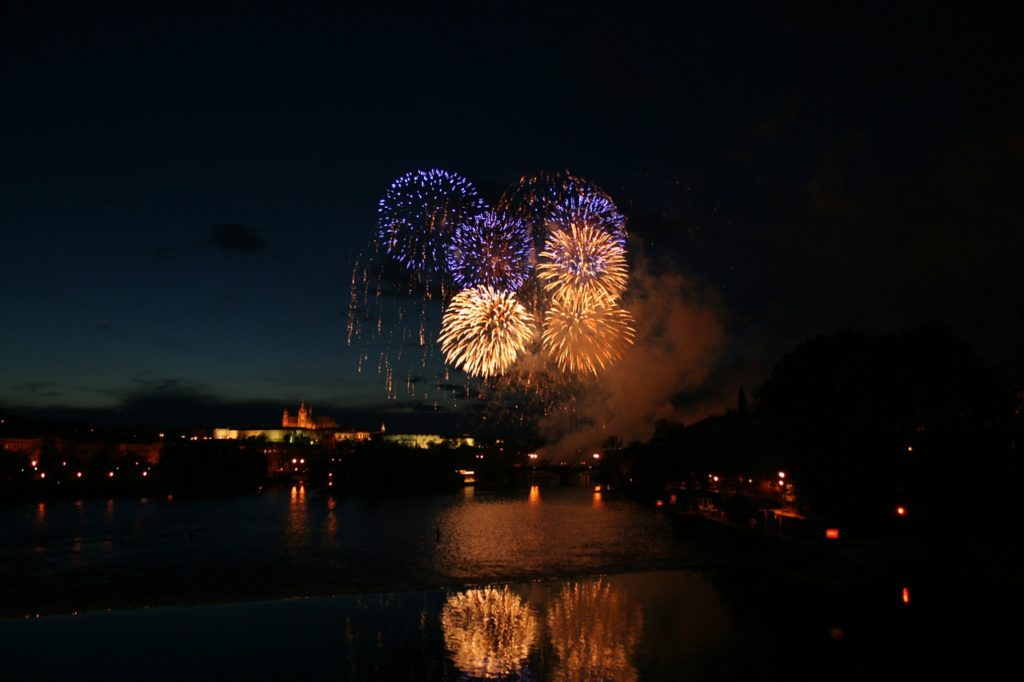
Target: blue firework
column 547, row 201
column 490, row 249
column 419, row 213
column 593, row 209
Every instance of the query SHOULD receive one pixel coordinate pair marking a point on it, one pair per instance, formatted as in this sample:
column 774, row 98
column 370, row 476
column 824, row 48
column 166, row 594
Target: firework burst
column 484, row 330
column 593, row 208
column 490, row 249
column 584, row 263
column 419, row 213
column 586, row 336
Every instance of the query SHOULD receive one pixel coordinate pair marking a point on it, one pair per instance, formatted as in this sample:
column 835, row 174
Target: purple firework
column 419, row 213
column 490, row 249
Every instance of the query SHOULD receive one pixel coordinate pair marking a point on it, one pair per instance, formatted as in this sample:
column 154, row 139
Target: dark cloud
column 235, row 238
column 46, row 389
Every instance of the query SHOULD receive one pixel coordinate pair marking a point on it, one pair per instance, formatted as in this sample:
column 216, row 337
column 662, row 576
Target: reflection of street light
column 782, row 474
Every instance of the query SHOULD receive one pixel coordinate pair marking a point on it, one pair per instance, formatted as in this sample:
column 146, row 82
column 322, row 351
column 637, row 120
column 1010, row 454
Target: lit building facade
column 305, row 420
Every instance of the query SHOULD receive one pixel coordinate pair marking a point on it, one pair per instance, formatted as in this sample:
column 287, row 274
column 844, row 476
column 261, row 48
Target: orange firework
column 586, row 335
column 484, row 330
column 583, row 262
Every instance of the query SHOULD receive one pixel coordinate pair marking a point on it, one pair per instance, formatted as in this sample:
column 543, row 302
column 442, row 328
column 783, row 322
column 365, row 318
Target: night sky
column 181, row 195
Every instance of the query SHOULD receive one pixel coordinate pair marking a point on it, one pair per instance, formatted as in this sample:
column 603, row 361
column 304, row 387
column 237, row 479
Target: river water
column 538, row 583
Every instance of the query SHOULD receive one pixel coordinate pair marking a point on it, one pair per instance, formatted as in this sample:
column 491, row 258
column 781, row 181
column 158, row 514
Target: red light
column 659, row 503
column 906, row 595
column 831, row 533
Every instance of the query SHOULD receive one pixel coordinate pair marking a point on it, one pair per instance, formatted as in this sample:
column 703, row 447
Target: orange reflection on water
column 534, row 494
column 41, row 513
column 594, row 629
column 597, row 500
column 488, row 632
column 298, row 518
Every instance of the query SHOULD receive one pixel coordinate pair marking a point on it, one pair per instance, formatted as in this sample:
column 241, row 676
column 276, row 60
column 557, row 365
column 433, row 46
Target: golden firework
column 484, row 330
column 586, row 335
column 583, row 262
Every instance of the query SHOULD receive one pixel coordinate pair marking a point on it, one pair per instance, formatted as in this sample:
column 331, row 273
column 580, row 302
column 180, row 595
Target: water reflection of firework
column 594, row 630
column 484, row 330
column 419, row 213
column 491, row 249
column 584, row 263
column 586, row 335
column 488, row 632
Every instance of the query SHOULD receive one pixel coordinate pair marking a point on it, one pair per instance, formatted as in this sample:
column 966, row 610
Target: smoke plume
column 679, row 339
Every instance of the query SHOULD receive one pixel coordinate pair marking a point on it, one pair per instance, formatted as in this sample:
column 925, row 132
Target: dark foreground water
column 538, row 584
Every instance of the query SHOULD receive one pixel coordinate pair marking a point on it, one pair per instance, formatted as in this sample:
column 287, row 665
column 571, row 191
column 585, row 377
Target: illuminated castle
column 305, row 420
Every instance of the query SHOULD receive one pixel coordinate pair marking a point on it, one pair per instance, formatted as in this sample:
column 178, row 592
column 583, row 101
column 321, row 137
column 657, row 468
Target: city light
column 831, row 533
